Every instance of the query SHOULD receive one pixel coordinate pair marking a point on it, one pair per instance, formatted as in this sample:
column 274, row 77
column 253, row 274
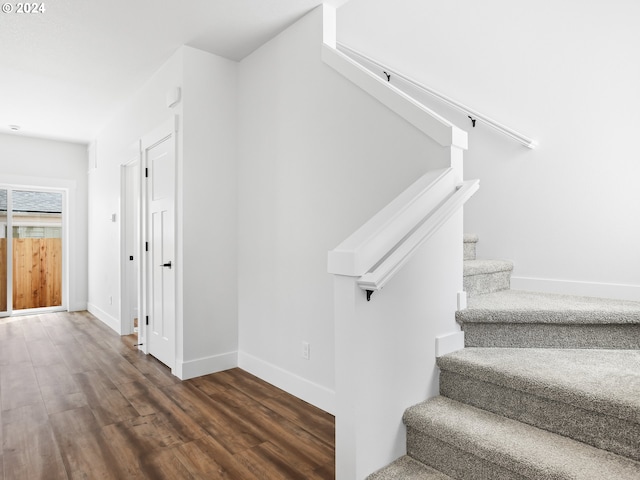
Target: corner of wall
column 111, row 322
column 185, row 370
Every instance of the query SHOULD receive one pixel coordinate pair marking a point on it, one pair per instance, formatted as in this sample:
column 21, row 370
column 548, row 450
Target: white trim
column 404, row 81
column 205, row 365
column 37, row 311
column 427, row 121
column 462, row 300
column 92, row 156
column 379, row 235
column 20, row 182
column 576, row 287
column 431, row 222
column 329, row 27
column 133, row 159
column 77, row 307
column 104, row 317
column 9, row 252
column 67, row 189
column 450, row 343
column 166, row 130
column 317, row 395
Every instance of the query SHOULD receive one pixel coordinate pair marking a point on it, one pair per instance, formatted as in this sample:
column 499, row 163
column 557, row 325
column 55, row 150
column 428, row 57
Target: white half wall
column 37, row 162
column 317, row 158
column 386, row 351
column 564, row 73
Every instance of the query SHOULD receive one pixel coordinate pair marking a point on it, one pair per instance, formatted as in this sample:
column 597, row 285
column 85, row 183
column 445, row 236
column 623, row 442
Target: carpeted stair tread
column 483, row 267
column 479, row 441
column 470, row 238
column 605, row 381
column 588, row 395
column 486, row 276
column 469, row 242
column 406, row 468
column 515, row 306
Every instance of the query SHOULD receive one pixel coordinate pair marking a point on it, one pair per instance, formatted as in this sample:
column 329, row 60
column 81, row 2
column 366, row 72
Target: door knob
column 168, row 264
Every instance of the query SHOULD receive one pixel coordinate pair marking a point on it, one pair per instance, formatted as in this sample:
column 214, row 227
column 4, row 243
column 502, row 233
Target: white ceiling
column 64, row 72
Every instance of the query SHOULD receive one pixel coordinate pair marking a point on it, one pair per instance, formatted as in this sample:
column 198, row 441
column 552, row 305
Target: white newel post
column 347, row 345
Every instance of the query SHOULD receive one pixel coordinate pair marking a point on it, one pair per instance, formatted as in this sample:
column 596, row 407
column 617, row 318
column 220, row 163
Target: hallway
column 78, row 401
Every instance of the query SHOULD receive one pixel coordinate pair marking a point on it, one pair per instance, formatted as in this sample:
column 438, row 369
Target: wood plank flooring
column 78, row 401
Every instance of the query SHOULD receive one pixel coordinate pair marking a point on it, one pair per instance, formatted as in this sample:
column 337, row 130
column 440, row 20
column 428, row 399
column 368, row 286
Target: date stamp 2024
column 23, row 8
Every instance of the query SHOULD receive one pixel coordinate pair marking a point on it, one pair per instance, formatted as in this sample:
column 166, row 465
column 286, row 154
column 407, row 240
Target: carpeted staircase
column 548, row 387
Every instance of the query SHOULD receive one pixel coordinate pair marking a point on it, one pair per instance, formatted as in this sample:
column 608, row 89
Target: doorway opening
column 31, row 250
column 130, row 246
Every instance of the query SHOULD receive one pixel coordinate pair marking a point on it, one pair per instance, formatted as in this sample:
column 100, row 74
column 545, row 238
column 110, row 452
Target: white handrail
column 382, row 234
column 427, row 121
column 475, row 115
column 378, row 277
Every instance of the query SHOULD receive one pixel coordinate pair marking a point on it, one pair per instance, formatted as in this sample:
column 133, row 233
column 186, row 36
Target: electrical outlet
column 305, row 350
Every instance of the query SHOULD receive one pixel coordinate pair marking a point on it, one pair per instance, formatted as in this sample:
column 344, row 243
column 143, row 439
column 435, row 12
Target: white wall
column 205, row 209
column 209, row 213
column 563, row 72
column 36, row 162
column 114, row 146
column 317, row 158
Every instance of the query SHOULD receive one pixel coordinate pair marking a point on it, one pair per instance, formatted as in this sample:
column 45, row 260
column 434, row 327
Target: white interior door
column 160, row 257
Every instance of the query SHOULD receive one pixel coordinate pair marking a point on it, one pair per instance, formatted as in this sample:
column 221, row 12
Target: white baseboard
column 316, row 395
column 449, row 343
column 104, row 317
column 462, row 300
column 204, row 366
column 78, row 307
column 572, row 287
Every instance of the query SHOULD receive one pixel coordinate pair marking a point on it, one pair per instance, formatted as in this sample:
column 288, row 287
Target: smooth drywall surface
column 114, row 146
column 564, row 73
column 209, row 206
column 35, row 162
column 317, row 158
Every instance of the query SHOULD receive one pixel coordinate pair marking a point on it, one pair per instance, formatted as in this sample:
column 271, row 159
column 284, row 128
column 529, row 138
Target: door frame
column 167, row 129
column 9, row 253
column 33, row 184
column 133, row 159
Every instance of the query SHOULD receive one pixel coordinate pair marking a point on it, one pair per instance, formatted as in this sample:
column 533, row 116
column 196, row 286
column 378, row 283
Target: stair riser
column 540, row 335
column 487, row 283
column 456, row 462
column 602, row 431
column 409, row 469
column 469, row 250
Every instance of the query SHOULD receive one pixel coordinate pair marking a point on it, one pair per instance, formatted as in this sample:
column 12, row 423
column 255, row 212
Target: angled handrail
column 388, row 74
column 373, row 241
column 378, row 276
column 424, row 119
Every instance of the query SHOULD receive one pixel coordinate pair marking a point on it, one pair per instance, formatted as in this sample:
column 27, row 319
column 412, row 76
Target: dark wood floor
column 79, row 401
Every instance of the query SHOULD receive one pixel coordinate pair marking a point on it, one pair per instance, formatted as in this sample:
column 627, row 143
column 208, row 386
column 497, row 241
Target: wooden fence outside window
column 37, row 273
